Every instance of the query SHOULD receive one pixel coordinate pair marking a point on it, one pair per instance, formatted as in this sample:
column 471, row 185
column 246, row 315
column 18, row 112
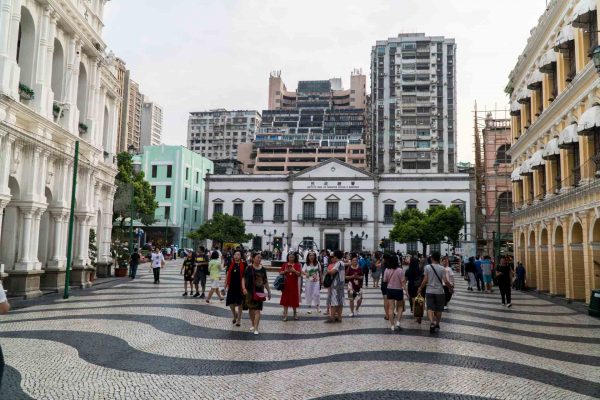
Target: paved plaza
column 137, row 340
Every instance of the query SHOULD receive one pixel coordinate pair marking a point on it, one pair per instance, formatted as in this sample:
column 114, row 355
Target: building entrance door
column 332, row 241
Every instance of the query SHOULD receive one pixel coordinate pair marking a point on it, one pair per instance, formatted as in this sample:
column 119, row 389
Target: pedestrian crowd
column 426, row 282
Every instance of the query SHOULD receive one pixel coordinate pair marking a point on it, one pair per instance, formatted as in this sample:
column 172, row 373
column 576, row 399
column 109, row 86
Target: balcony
column 324, row 219
column 278, row 219
column 258, row 219
column 388, row 220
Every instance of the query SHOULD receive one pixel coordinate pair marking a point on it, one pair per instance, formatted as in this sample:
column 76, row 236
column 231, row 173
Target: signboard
column 332, row 185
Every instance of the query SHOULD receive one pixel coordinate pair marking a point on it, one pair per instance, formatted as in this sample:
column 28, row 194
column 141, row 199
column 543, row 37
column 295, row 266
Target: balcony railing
column 332, row 218
column 388, row 219
column 278, row 218
column 257, row 218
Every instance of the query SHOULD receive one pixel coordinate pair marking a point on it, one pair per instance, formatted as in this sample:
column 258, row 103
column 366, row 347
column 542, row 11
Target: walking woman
column 290, row 296
column 335, row 296
column 386, row 263
column 312, row 273
column 254, row 284
column 214, row 269
column 233, row 287
column 394, row 279
column 450, row 277
column 376, row 275
column 414, row 276
column 354, row 277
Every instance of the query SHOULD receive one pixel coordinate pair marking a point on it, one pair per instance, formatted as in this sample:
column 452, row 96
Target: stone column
column 565, row 223
column 24, row 280
column 587, row 218
column 54, row 274
column 376, row 214
column 81, row 269
column 551, row 263
column 72, row 75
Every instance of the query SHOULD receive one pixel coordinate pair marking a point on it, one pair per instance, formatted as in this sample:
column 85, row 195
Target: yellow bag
column 418, row 306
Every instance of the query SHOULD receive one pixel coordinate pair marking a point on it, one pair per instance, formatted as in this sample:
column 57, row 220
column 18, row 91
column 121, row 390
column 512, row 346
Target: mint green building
column 176, row 175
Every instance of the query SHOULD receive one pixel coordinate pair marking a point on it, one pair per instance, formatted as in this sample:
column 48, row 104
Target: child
column 187, row 269
column 214, row 270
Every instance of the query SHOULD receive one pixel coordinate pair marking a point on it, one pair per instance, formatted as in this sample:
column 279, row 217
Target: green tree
column 127, row 180
column 429, row 227
column 222, row 228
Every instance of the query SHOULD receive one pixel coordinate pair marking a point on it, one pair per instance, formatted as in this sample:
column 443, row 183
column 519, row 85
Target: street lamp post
column 288, row 239
column 136, row 170
column 357, row 237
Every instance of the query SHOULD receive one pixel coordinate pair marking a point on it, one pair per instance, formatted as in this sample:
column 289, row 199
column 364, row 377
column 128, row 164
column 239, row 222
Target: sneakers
column 184, row 294
column 356, row 313
column 197, row 294
column 256, row 332
column 351, row 315
column 509, row 305
column 202, row 296
column 251, row 328
column 392, row 328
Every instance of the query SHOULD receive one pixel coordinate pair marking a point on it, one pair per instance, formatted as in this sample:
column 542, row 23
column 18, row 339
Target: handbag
column 257, row 296
column 328, row 280
column 278, row 284
column 446, row 288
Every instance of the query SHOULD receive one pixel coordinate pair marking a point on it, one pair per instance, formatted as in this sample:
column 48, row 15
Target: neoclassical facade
column 56, row 88
column 333, row 204
column 556, row 152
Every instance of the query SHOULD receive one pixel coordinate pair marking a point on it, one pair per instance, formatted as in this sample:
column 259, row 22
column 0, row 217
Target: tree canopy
column 222, row 228
column 127, row 180
column 430, row 227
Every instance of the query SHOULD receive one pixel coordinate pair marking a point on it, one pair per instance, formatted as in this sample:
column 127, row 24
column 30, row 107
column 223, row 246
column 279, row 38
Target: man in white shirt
column 434, row 279
column 158, row 262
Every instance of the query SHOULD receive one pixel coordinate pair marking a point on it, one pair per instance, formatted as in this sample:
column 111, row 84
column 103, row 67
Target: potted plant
column 122, row 262
column 25, row 92
column 56, row 111
column 83, row 128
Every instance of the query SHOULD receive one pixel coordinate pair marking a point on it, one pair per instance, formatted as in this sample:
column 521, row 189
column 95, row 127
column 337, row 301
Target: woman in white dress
column 311, row 271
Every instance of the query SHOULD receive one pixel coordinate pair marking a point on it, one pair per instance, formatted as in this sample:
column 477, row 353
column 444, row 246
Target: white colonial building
column 333, row 204
column 56, row 88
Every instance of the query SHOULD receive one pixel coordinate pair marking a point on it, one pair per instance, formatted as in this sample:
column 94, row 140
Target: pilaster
column 566, row 223
column 586, row 218
column 9, row 27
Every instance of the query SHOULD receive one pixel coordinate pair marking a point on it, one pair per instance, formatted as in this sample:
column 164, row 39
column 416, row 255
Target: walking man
column 434, row 279
column 158, row 262
column 201, row 272
column 134, row 261
column 504, row 275
column 486, row 269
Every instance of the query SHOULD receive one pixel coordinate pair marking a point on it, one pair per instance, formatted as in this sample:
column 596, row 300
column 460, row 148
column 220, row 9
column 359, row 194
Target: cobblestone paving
column 137, row 340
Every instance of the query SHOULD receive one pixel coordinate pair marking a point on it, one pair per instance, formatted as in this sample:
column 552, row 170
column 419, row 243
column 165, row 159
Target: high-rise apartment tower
column 413, row 104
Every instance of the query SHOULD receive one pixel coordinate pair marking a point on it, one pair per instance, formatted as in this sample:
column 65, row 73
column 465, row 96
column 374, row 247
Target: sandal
column 284, row 319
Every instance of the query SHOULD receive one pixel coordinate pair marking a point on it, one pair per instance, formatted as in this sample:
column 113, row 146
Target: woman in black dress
column 233, row 286
column 255, row 280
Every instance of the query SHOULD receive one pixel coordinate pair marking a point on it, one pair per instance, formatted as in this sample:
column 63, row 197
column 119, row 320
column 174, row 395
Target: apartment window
column 356, row 210
column 257, row 214
column 185, row 214
column 167, row 192
column 278, row 212
column 308, row 210
column 198, row 176
column 153, row 190
column 412, row 248
column 169, row 171
column 195, row 215
column 185, row 193
column 238, row 210
column 411, row 205
column 154, row 171
column 257, row 243
column 167, row 213
column 187, row 173
column 388, row 213
column 218, row 208
column 435, row 247
column 196, row 195
column 332, row 210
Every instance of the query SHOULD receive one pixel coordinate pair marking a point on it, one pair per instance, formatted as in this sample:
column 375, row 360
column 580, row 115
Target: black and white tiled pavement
column 136, row 340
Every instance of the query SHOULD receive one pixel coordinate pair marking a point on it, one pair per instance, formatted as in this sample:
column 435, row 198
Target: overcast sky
column 192, row 55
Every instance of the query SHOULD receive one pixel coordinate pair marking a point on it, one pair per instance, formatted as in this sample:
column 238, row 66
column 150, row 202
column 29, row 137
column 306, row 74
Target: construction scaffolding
column 493, row 200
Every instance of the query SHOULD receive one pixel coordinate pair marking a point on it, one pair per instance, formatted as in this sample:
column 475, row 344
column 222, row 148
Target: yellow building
column 555, row 108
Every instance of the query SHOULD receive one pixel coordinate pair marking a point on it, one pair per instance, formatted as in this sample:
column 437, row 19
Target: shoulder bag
column 278, row 284
column 257, row 296
column 447, row 289
column 328, row 280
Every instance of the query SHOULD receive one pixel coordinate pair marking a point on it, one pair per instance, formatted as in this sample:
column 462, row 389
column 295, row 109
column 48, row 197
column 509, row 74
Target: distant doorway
column 332, row 241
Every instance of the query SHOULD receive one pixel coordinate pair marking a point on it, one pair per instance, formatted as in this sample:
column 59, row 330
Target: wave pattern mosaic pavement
column 137, row 340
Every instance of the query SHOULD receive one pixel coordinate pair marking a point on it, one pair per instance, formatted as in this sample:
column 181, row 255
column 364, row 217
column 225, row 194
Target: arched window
column 106, row 131
column 502, row 156
column 58, row 71
column 82, row 90
column 26, row 47
column 505, row 202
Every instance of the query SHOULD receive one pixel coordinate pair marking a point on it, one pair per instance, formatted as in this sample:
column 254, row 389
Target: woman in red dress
column 290, row 296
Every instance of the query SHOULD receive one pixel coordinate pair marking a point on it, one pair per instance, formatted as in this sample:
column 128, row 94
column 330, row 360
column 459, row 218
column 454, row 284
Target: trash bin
column 594, row 309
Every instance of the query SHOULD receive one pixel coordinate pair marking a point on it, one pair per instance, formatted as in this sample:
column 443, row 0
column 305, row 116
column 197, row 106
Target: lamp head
column 596, row 58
